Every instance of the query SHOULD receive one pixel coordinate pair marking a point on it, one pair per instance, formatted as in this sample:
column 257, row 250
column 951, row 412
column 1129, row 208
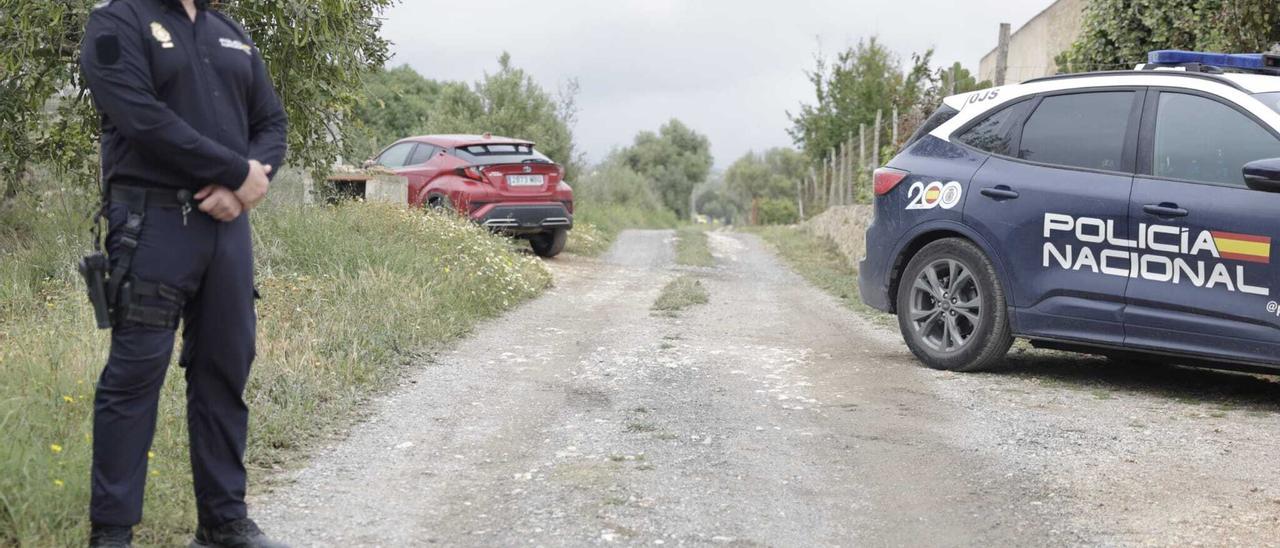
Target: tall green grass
column 352, row 294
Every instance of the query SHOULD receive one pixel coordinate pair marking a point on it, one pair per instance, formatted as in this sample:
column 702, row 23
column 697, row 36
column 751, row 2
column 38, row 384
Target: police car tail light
column 887, row 178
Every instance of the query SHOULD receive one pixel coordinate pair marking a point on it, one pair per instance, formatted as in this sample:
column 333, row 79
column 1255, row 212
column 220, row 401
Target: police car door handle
column 1000, row 193
column 1165, row 210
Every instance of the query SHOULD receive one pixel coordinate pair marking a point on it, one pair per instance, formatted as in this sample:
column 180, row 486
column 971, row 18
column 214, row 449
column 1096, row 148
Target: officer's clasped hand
column 255, row 186
column 220, row 203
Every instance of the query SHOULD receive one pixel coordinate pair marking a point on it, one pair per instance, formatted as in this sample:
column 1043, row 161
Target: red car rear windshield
column 487, row 155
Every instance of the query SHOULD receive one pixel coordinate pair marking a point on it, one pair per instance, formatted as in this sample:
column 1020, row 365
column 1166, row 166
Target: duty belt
column 153, row 197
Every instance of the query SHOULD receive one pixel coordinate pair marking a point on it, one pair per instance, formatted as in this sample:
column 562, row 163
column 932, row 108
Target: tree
column 764, row 176
column 848, row 91
column 955, row 80
column 396, row 103
column 316, row 52
column 1118, row 34
column 509, row 102
column 766, row 181
column 615, row 183
column 676, row 159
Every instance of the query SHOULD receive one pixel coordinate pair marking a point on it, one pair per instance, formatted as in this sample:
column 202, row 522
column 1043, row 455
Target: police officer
column 191, row 127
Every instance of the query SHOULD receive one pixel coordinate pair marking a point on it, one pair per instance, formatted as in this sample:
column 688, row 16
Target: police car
column 1112, row 213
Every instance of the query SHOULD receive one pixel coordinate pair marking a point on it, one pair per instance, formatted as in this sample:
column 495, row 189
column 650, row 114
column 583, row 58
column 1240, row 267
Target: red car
column 500, row 183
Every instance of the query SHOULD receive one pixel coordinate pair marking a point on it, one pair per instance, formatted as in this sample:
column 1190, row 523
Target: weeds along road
column 773, row 416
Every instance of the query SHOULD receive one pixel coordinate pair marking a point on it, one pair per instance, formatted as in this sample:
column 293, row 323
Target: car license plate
column 526, row 180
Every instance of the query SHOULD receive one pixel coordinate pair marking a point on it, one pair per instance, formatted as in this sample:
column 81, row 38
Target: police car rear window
column 1272, row 100
column 993, row 133
column 939, row 117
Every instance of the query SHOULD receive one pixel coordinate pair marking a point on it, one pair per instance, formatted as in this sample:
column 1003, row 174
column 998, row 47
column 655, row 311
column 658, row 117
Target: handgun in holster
column 93, row 267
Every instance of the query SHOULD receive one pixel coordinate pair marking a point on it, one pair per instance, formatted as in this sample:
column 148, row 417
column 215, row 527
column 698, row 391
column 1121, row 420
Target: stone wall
column 1033, row 47
column 846, row 226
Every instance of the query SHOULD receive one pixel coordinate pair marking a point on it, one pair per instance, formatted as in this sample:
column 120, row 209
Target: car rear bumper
column 532, row 217
column 873, row 272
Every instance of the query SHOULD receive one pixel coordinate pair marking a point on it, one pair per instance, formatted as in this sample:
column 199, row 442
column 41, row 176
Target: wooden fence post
column 862, row 147
column 894, row 143
column 875, row 141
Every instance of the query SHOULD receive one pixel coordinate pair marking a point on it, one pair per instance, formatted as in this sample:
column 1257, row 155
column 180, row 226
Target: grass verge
column 692, row 248
column 352, row 293
column 683, row 292
column 819, row 261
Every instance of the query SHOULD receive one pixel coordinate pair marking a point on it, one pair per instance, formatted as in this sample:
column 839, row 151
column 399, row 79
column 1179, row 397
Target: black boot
column 110, row 536
column 241, row 533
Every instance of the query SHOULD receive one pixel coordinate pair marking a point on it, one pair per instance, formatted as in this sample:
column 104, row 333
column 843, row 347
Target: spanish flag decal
column 1243, row 247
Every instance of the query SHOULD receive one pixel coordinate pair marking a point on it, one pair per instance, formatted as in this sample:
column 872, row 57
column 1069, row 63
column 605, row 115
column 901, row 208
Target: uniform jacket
column 183, row 104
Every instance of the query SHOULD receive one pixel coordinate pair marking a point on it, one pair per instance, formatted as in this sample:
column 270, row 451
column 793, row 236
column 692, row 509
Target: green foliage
column 510, row 103
column 719, row 204
column 850, row 89
column 1118, row 33
column 401, row 103
column 956, row 79
column 676, row 159
column 766, row 183
column 777, row 211
column 396, row 103
column 766, row 176
column 614, row 182
column 316, row 53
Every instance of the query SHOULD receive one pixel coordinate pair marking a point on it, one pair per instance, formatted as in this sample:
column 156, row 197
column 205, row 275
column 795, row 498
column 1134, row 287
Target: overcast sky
column 730, row 69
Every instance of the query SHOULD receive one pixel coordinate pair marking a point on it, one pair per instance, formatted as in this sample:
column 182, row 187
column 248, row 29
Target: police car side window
column 396, row 156
column 1200, row 139
column 994, row 133
column 1086, row 130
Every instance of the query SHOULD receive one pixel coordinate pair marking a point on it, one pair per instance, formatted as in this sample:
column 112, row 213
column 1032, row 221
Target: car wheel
column 441, row 204
column 549, row 244
column 952, row 308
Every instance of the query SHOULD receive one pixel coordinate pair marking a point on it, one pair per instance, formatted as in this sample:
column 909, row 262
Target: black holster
column 119, row 297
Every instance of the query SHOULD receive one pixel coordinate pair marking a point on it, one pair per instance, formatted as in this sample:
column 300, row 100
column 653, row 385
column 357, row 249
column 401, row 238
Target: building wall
column 1033, row 47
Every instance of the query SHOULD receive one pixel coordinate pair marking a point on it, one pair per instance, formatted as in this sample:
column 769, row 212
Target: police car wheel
column 952, row 309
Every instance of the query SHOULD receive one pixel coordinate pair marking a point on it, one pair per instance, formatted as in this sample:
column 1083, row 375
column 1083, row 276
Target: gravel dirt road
column 773, row 416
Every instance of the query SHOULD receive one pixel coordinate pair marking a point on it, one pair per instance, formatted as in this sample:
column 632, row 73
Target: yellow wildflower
column 58, row 483
column 55, row 448
column 151, row 455
column 68, row 399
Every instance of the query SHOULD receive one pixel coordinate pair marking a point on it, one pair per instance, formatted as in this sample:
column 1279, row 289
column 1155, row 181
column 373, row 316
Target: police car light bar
column 1248, row 62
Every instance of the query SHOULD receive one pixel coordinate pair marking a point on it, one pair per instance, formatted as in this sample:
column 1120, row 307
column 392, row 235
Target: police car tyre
column 549, row 244
column 952, row 309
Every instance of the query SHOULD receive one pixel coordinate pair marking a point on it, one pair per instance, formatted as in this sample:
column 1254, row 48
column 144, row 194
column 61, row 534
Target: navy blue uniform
column 184, row 105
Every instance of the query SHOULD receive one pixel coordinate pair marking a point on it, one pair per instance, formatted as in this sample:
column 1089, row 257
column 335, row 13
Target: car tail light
column 472, row 173
column 887, row 178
